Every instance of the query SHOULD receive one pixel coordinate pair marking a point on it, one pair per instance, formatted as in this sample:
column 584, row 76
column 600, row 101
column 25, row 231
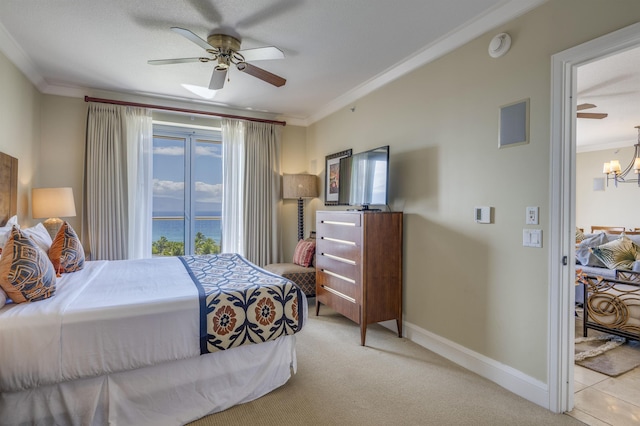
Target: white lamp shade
column 52, row 202
column 299, row 186
column 615, row 166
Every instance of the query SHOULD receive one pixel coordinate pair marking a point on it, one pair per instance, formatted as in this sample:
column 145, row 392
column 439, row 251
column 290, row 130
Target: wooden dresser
column 359, row 266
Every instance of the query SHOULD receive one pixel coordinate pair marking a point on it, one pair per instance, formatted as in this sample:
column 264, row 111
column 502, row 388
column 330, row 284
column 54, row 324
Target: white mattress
column 110, row 316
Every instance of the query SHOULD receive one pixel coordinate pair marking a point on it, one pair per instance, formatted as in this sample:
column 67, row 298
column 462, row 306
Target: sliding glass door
column 187, row 191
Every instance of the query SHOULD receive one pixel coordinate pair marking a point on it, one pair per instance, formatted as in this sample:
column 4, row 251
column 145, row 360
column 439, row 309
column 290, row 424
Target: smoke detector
column 499, row 45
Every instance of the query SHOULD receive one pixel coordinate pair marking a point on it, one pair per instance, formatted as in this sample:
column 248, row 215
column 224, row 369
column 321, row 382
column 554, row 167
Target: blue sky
column 168, row 176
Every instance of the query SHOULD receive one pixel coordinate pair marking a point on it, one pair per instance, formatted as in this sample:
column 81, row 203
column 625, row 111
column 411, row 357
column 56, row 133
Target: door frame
column 563, row 205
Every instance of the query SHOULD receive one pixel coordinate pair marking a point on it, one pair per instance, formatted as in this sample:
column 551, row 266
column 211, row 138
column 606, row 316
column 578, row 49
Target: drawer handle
column 333, row 222
column 339, row 259
column 342, row 277
column 335, row 240
column 337, row 293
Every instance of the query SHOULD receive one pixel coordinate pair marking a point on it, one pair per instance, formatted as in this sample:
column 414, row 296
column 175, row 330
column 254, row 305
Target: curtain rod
column 187, row 111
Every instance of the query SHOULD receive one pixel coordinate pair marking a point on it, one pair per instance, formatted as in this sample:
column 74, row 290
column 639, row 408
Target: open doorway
column 607, row 93
column 563, row 205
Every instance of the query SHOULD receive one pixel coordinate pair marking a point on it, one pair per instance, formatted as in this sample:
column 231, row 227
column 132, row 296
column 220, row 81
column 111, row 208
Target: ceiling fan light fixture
column 224, row 42
column 225, row 50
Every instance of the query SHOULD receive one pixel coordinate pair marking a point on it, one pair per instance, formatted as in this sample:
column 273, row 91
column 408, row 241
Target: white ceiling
column 613, row 85
column 335, row 50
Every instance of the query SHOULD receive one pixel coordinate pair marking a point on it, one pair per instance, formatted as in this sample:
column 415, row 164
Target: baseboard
column 508, row 377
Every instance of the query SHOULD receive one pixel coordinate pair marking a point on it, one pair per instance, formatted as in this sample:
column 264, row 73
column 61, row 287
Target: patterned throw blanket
column 241, row 303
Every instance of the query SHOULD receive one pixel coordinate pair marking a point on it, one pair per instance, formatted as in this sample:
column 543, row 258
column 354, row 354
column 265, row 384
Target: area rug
column 608, row 354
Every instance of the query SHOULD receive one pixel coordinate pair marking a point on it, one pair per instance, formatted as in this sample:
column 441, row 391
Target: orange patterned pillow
column 66, row 252
column 26, row 275
column 303, row 255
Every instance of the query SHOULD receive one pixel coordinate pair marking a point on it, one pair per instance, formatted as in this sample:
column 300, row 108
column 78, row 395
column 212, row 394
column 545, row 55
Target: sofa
column 608, row 283
column 301, row 270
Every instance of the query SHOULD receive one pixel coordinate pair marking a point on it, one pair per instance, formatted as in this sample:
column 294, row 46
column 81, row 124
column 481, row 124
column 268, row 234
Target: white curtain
column 251, row 182
column 118, row 182
column 232, row 186
column 139, row 127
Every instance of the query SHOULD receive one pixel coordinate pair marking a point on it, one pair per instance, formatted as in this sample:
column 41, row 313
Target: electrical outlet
column 532, row 216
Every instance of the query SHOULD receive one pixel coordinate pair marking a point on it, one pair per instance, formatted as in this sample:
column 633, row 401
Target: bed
column 160, row 341
column 111, row 347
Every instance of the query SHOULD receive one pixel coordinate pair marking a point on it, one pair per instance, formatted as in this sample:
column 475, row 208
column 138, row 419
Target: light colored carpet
column 390, row 381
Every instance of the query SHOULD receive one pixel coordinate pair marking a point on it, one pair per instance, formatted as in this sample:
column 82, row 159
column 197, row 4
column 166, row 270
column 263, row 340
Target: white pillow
column 3, row 298
column 6, row 229
column 40, row 236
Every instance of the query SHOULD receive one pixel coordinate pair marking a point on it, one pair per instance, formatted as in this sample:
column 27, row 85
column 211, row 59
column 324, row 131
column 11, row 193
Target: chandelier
column 614, row 172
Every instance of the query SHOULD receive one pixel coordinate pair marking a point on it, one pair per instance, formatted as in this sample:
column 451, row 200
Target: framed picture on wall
column 332, row 177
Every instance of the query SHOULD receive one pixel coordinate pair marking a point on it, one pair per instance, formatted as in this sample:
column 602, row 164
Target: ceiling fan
column 596, row 115
column 225, row 51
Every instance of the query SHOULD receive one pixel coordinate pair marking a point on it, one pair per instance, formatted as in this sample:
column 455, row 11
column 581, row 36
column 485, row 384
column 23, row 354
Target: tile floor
column 603, row 400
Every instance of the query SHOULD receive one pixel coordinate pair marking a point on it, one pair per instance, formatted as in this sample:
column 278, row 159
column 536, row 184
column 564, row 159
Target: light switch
column 532, row 216
column 532, row 237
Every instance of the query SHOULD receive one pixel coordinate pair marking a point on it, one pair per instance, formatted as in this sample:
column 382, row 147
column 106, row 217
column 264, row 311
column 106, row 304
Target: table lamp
column 52, row 203
column 299, row 187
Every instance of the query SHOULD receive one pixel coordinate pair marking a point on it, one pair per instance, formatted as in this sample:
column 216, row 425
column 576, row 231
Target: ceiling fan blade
column 261, row 53
column 261, row 74
column 217, row 78
column 592, row 115
column 191, row 36
column 585, row 106
column 176, row 61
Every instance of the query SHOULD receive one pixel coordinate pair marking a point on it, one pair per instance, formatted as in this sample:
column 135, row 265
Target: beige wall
column 20, row 114
column 61, row 153
column 613, row 206
column 294, row 155
column 474, row 284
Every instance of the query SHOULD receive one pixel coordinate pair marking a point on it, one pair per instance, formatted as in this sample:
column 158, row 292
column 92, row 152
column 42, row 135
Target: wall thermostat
column 483, row 214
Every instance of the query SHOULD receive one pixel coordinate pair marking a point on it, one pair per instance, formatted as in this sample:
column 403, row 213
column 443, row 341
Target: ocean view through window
column 187, row 191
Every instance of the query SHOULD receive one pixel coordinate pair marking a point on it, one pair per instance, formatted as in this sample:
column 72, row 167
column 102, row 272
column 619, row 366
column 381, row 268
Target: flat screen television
column 364, row 179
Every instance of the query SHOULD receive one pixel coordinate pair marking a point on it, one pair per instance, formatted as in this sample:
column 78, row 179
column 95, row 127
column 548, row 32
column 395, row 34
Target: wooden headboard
column 8, row 187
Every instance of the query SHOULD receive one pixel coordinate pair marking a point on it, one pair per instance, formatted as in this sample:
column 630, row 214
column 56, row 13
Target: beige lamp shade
column 299, row 186
column 52, row 202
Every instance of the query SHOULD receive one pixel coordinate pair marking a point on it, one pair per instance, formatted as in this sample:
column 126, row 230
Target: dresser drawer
column 339, row 283
column 342, row 249
column 328, row 296
column 345, row 234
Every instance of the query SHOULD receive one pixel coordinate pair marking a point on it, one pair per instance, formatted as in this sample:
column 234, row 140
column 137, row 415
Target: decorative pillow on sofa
column 66, row 252
column 303, row 255
column 39, row 235
column 617, row 254
column 583, row 252
column 25, row 272
column 3, row 298
column 579, row 235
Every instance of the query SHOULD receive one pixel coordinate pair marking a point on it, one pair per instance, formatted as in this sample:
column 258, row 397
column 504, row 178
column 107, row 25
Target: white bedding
column 108, row 317
column 119, row 344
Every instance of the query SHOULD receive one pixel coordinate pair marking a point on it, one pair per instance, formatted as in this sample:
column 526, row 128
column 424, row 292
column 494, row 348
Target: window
column 187, row 191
